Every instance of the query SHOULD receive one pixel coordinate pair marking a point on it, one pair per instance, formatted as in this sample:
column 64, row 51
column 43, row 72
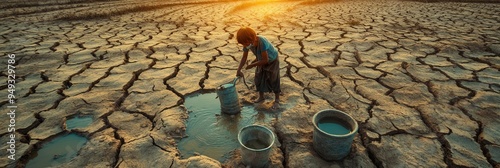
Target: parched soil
column 421, row 79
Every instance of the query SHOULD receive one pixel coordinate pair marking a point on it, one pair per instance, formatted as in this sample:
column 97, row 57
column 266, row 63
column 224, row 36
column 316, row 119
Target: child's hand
column 239, row 73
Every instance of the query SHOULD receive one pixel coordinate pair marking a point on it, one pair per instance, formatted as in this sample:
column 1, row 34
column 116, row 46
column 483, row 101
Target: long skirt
column 267, row 77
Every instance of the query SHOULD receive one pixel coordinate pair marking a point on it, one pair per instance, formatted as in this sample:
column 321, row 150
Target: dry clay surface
column 421, row 79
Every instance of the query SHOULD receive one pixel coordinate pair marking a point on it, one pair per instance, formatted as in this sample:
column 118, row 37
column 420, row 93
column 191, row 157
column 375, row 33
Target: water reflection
column 211, row 132
column 59, row 150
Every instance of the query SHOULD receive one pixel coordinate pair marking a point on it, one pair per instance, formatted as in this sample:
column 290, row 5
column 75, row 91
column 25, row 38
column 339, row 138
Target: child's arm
column 262, row 62
column 242, row 62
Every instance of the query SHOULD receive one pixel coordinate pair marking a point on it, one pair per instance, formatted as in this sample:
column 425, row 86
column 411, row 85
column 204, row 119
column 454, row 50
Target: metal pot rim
column 256, row 150
column 354, row 130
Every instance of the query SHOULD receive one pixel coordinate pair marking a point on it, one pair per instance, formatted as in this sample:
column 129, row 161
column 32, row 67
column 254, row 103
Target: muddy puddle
column 79, row 121
column 212, row 133
column 59, row 150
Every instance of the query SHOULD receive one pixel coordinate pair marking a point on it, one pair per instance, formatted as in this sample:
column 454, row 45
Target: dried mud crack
column 407, row 71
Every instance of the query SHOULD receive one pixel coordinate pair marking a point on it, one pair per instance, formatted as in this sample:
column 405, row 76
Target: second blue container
column 333, row 134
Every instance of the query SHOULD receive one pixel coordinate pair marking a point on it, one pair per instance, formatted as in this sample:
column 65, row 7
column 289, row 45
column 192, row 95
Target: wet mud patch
column 57, row 151
column 79, row 122
column 212, row 133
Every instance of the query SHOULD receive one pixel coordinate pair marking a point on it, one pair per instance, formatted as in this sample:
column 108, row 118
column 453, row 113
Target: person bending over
column 267, row 72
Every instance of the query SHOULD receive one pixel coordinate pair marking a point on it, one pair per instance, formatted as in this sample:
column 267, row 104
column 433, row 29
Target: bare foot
column 260, row 99
column 276, row 105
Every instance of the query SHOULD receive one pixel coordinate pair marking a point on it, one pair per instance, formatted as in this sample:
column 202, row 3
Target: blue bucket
column 333, row 146
column 228, row 97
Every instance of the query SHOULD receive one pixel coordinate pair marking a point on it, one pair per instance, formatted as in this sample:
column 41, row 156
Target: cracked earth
column 421, row 79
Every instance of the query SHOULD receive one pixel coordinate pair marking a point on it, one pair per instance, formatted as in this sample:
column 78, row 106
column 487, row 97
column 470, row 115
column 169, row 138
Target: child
column 267, row 73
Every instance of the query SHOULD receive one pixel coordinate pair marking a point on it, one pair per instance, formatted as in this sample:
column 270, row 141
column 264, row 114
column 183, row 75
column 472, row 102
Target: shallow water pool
column 59, row 150
column 212, row 133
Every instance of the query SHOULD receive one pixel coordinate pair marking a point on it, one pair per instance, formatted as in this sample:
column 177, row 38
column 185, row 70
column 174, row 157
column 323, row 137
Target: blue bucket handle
column 234, row 84
column 235, row 79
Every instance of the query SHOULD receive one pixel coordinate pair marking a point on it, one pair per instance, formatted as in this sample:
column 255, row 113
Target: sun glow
column 264, row 5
